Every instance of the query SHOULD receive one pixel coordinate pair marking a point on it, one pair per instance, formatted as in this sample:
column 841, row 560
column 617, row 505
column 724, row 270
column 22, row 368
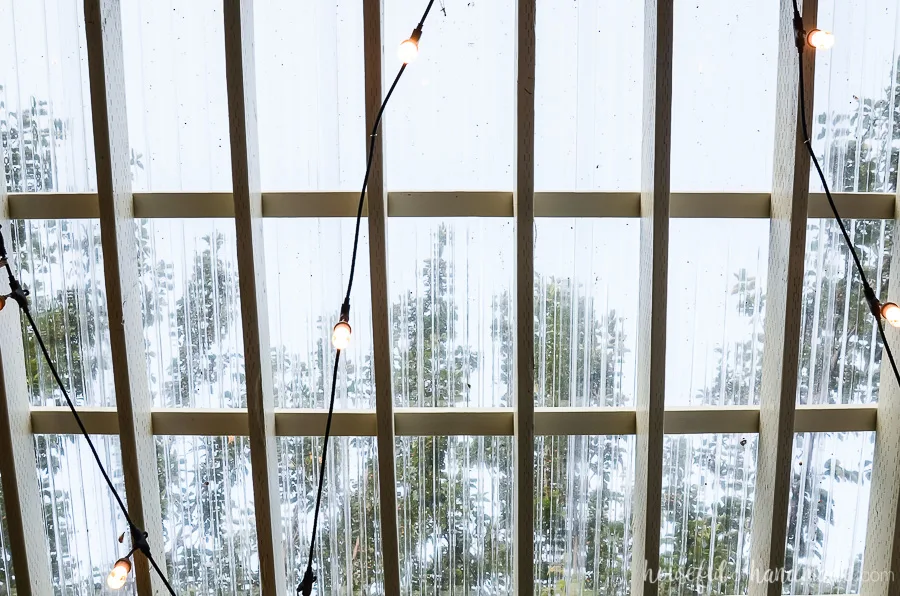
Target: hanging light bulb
column 891, row 313
column 408, row 51
column 340, row 337
column 119, row 574
column 820, row 40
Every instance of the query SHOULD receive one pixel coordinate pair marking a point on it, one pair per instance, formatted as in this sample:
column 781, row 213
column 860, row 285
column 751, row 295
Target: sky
column 451, row 125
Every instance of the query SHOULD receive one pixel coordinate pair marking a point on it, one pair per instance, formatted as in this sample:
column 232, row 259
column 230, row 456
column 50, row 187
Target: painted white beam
column 18, row 468
column 881, row 563
column 781, row 358
column 240, row 81
column 106, row 72
column 651, row 341
column 373, row 22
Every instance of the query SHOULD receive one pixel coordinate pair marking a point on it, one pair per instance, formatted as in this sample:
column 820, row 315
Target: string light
column 890, row 311
column 139, row 538
column 820, row 40
column 119, row 574
column 340, row 337
column 409, row 49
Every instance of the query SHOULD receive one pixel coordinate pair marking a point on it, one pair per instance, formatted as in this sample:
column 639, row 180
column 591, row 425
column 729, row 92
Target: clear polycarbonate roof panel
column 855, row 128
column 725, row 58
column 451, row 122
column 588, row 95
column 310, row 94
column 175, row 95
column 45, row 108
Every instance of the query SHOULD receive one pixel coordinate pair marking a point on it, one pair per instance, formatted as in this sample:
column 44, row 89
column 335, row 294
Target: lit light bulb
column 119, row 574
column 891, row 313
column 408, row 51
column 340, row 337
column 821, row 40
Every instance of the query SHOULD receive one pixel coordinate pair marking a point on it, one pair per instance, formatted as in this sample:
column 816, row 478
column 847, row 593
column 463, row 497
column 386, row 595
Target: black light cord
column 371, row 156
column 20, row 296
column 309, row 577
column 868, row 292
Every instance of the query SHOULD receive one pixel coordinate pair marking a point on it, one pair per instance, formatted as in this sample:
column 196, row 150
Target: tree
column 454, row 492
column 72, row 329
column 348, row 539
column 76, row 333
column 205, row 313
column 203, row 480
column 583, row 536
column 27, row 139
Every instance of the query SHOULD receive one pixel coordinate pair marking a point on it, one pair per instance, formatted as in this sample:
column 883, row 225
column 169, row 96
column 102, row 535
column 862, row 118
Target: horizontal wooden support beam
column 587, row 204
column 457, row 421
column 312, row 204
column 835, row 418
column 56, row 205
column 692, row 421
column 584, row 421
column 860, row 205
column 446, row 204
column 413, row 422
column 59, row 421
column 200, row 422
column 450, row 204
column 178, row 205
column 311, row 423
column 719, row 205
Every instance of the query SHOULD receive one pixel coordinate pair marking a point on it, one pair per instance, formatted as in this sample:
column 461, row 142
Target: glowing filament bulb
column 891, row 313
column 408, row 51
column 119, row 574
column 340, row 337
column 821, row 40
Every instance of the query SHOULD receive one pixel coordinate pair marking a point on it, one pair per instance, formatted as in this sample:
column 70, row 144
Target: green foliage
column 455, row 493
column 430, row 366
column 27, row 142
column 209, row 528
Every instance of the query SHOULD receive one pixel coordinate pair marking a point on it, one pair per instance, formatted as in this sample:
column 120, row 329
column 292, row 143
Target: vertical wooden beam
column 653, row 287
column 881, row 563
column 241, row 84
column 781, row 358
column 18, row 469
column 523, row 205
column 381, row 336
column 106, row 70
